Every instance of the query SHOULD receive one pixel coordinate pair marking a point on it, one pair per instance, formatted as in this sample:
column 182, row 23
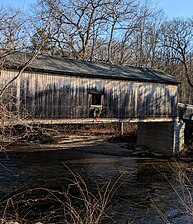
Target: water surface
column 148, row 184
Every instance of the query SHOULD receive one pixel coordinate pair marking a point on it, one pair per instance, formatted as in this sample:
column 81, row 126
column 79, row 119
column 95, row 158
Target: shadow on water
column 144, row 184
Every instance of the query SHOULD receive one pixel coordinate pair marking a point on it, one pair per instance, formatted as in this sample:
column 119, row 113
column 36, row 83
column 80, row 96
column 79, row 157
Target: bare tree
column 133, row 33
column 12, row 26
column 13, row 40
column 177, row 38
column 176, row 42
column 74, row 23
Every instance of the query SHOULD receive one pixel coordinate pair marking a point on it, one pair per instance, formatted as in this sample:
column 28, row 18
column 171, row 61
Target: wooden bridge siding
column 9, row 98
column 52, row 96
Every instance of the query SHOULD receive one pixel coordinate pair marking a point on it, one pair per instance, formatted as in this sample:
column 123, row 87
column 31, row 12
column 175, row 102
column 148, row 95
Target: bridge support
column 164, row 137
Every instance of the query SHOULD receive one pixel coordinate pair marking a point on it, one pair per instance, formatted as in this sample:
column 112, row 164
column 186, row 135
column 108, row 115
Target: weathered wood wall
column 57, row 96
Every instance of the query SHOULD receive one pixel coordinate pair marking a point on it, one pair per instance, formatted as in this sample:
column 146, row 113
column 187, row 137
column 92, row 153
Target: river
column 148, row 186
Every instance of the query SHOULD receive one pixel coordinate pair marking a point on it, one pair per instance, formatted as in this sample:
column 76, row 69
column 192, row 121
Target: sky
column 21, row 4
column 172, row 8
column 176, row 8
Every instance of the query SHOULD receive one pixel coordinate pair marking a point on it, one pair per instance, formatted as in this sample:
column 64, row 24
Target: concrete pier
column 164, row 137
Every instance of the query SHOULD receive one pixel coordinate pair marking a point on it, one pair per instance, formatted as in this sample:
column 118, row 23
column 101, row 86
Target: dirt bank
column 91, row 144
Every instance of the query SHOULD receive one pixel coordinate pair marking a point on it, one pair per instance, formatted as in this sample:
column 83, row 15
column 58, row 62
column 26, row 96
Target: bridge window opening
column 96, row 99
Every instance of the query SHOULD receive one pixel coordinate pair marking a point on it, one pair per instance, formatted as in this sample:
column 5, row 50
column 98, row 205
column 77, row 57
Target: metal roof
column 62, row 66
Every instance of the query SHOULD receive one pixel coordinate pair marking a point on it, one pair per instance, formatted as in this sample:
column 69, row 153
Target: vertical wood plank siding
column 57, row 96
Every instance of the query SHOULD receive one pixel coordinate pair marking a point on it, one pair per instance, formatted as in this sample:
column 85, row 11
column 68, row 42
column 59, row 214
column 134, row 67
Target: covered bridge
column 60, row 88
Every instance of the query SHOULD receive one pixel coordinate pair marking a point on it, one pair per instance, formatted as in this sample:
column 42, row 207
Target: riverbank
column 103, row 139
column 100, row 138
column 119, row 146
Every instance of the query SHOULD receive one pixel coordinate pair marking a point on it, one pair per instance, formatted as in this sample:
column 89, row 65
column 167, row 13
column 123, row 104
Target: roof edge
column 32, row 69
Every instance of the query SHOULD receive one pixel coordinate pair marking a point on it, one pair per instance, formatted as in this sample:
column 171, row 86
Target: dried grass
column 183, row 193
column 76, row 204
